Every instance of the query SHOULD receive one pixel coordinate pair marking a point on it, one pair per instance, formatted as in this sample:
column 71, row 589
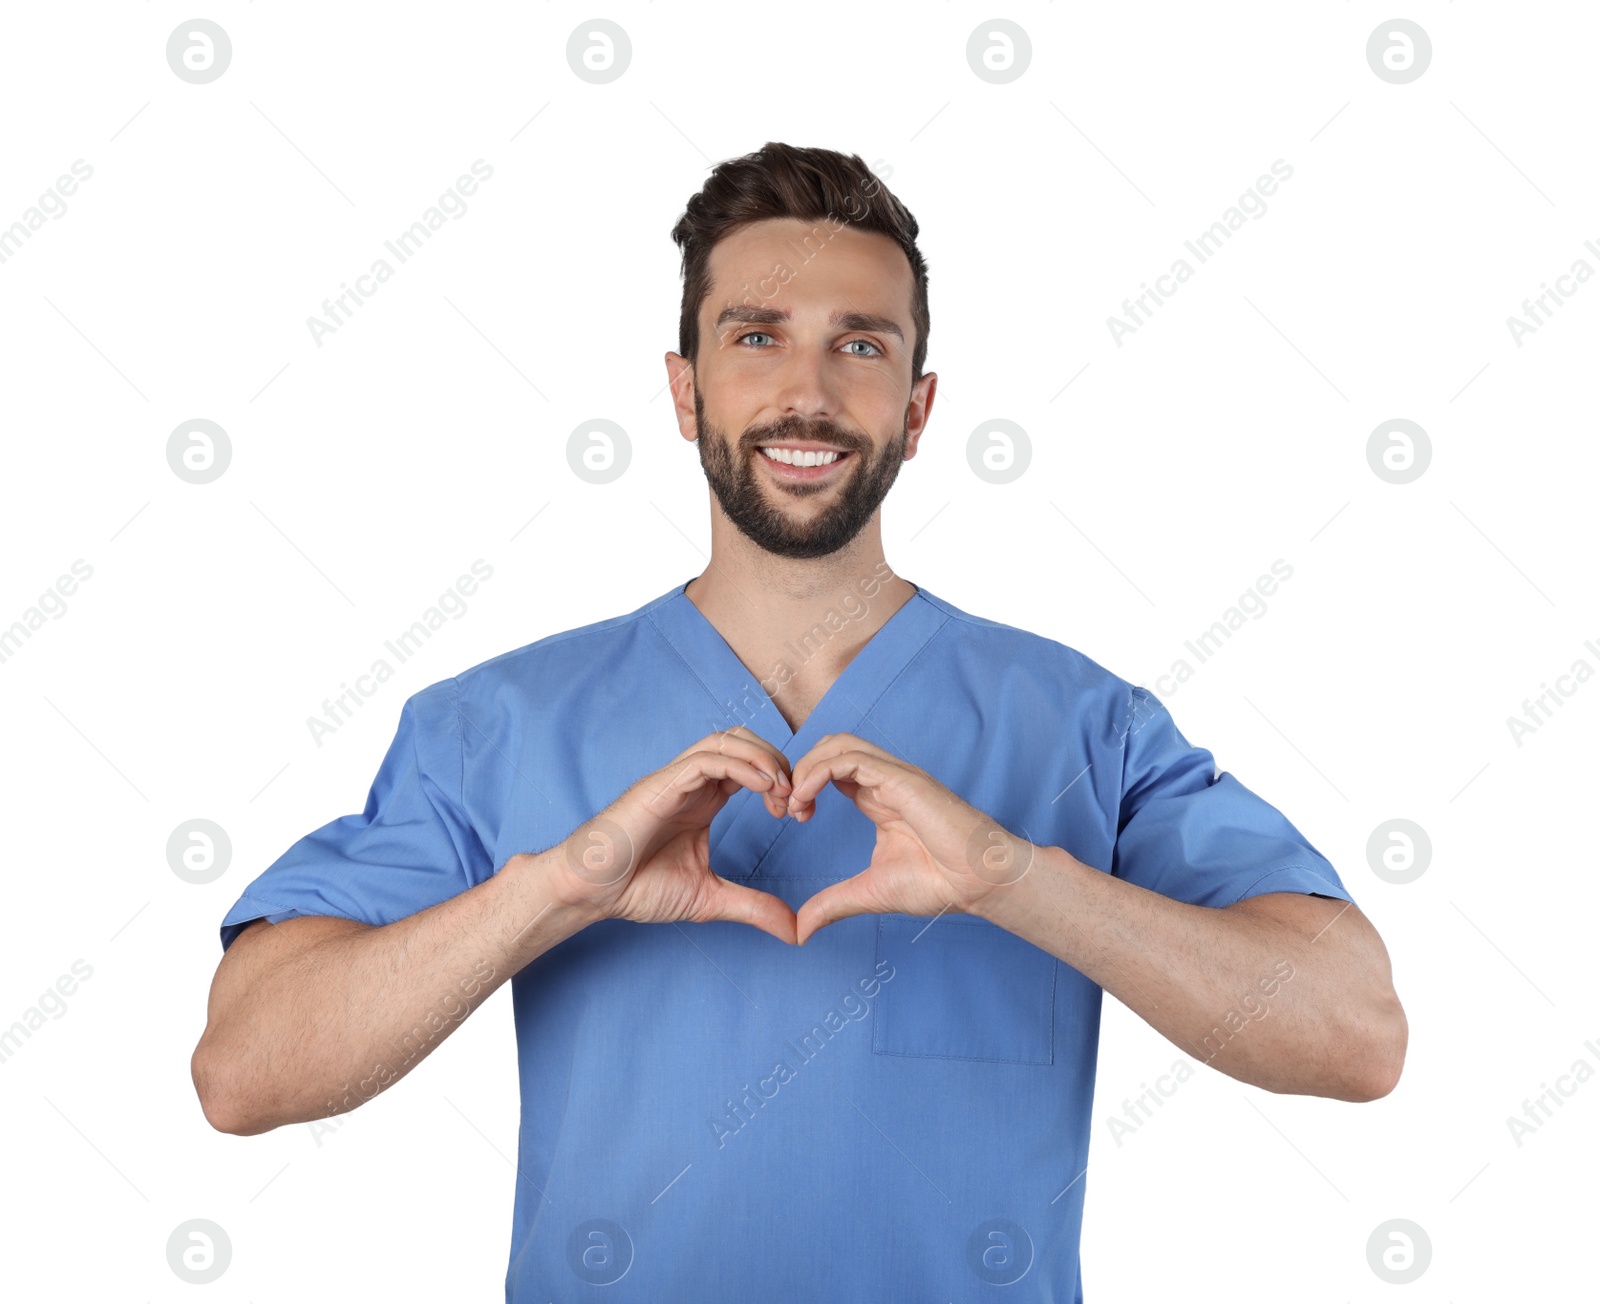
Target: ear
column 680, row 377
column 919, row 410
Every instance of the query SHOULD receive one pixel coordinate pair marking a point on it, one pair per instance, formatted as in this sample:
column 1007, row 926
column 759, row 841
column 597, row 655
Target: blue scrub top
column 895, row 1111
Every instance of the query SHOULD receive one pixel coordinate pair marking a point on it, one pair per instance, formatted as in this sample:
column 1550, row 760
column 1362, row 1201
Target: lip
column 803, row 474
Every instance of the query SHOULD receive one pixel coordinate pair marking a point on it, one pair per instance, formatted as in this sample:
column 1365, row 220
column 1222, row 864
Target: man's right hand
column 646, row 857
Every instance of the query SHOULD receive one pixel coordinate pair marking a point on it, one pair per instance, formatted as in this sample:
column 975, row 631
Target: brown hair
column 781, row 180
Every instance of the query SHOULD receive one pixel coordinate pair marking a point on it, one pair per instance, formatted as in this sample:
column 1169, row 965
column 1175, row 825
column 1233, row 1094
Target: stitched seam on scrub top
column 722, row 710
column 1283, row 869
column 912, row 660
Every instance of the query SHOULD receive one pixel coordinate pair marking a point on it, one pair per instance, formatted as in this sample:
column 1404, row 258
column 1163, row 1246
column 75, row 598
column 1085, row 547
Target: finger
column 712, row 741
column 768, row 780
column 838, row 901
column 812, row 773
column 746, row 905
column 831, row 746
column 745, row 742
column 770, row 759
column 740, row 741
column 859, row 767
column 838, row 743
column 855, row 743
column 699, row 767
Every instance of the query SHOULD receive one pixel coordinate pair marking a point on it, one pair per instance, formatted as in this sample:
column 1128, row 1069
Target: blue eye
column 876, row 351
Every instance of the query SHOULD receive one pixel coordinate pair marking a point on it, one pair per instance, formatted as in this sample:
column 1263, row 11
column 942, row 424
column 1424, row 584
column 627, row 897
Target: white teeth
column 792, row 458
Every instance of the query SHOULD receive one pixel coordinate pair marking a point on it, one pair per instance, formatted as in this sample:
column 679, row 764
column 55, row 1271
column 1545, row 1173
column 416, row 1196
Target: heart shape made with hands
column 934, row 852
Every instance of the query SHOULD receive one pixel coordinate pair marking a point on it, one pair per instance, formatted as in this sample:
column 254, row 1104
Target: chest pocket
column 963, row 988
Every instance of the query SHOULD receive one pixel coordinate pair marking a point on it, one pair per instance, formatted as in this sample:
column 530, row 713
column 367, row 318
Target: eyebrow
column 850, row 321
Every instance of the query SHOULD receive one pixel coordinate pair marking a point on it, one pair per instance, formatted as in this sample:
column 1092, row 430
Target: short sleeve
column 1195, row 833
column 410, row 848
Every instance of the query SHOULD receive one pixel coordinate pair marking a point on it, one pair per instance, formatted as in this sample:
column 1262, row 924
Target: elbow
column 1384, row 1057
column 217, row 1102
column 212, row 1104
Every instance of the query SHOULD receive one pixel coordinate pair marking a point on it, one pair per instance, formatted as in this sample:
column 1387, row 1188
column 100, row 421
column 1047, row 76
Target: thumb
column 837, row 901
column 747, row 905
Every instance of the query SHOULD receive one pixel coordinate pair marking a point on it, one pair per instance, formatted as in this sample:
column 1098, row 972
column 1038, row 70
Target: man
column 806, row 881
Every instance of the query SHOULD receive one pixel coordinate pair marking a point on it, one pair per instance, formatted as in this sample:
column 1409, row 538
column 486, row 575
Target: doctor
column 807, row 882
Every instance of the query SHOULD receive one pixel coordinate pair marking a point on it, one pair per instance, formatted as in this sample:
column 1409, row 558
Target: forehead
column 791, row 263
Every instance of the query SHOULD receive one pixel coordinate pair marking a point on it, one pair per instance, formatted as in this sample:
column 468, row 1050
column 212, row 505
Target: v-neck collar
column 737, row 696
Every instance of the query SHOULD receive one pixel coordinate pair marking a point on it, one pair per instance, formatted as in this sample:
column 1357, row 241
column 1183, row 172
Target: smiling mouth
column 803, row 458
column 804, row 467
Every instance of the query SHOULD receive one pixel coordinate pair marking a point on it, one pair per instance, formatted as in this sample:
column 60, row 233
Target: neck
column 812, row 613
column 748, row 586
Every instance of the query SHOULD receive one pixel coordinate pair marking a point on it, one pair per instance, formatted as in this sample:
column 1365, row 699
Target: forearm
column 314, row 1022
column 1262, row 1002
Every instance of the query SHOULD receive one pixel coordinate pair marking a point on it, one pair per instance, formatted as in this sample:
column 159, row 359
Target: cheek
column 734, row 395
column 881, row 397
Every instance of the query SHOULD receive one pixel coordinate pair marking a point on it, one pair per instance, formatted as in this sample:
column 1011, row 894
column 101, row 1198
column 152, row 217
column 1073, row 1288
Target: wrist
column 546, row 883
column 1015, row 896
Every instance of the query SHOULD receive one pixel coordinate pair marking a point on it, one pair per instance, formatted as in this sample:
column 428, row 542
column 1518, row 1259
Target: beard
column 730, row 469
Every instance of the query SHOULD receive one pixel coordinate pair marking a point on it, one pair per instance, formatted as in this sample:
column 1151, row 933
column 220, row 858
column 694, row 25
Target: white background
column 369, row 472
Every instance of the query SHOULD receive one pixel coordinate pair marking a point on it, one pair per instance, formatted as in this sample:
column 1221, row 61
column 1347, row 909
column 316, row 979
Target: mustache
column 824, row 433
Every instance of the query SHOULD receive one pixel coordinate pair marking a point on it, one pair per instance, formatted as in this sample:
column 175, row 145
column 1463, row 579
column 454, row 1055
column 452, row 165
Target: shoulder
column 1013, row 651
column 552, row 667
